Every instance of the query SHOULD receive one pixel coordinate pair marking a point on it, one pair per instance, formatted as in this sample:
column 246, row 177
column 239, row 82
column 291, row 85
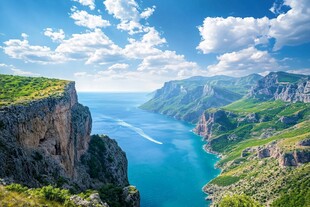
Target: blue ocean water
column 166, row 160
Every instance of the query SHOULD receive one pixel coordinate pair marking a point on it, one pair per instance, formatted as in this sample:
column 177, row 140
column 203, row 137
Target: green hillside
column 277, row 127
column 19, row 90
column 188, row 99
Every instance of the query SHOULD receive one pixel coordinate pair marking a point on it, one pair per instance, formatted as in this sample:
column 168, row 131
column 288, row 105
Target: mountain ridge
column 187, row 99
column 262, row 139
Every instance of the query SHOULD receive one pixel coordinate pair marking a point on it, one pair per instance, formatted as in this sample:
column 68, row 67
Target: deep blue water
column 166, row 160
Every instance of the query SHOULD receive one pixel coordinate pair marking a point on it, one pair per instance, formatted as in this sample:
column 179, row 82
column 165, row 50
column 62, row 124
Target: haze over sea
column 166, row 160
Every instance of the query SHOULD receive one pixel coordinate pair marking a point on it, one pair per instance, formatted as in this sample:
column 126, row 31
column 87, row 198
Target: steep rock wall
column 272, row 87
column 43, row 142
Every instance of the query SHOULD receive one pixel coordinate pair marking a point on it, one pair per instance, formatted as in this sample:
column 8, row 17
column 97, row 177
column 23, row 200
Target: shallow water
column 166, row 160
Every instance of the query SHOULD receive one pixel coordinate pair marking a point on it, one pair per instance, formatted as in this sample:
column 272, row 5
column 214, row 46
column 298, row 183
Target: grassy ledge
column 21, row 90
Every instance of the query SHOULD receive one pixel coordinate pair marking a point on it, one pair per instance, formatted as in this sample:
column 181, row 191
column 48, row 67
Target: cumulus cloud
column 119, row 66
column 89, row 3
column 293, row 27
column 220, row 35
column 21, row 49
column 56, row 36
column 138, row 49
column 127, row 11
column 244, row 62
column 86, row 45
column 166, row 61
column 233, row 33
column 147, row 12
column 82, row 18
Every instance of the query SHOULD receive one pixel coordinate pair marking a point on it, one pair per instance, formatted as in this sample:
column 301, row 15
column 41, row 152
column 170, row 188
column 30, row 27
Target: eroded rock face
column 131, row 196
column 211, row 122
column 44, row 141
column 272, row 87
column 285, row 158
column 44, row 137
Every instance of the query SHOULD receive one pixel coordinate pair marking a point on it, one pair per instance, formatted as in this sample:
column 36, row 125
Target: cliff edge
column 48, row 141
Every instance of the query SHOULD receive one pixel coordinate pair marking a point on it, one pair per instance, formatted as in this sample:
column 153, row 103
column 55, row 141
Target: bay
column 166, row 159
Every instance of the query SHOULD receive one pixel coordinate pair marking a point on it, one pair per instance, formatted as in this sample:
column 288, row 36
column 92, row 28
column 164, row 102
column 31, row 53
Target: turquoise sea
column 166, row 159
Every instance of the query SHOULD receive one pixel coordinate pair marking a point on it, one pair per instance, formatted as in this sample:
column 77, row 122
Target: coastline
column 206, row 148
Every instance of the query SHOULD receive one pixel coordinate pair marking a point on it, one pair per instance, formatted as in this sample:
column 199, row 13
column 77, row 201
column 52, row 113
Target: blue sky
column 136, row 45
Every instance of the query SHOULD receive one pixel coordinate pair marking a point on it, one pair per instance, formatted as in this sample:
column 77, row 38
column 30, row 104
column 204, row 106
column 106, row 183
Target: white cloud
column 56, row 36
column 21, row 49
column 80, row 74
column 87, row 46
column 23, row 73
column 166, row 63
column 24, row 35
column 292, row 28
column 147, row 12
column 233, row 33
column 118, row 66
column 89, row 3
column 138, row 49
column 304, row 71
column 276, row 8
column 82, row 18
column 105, row 56
column 127, row 11
column 16, row 71
column 221, row 35
column 244, row 62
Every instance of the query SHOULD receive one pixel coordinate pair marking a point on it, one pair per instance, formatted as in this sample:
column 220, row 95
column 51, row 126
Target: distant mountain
column 187, row 99
column 283, row 86
column 264, row 142
column 259, row 126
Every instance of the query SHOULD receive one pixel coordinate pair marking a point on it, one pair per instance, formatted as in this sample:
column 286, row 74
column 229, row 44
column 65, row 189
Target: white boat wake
column 138, row 131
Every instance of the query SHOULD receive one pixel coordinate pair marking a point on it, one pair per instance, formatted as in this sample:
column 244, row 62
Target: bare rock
column 263, row 153
column 305, row 142
column 93, row 201
column 131, row 196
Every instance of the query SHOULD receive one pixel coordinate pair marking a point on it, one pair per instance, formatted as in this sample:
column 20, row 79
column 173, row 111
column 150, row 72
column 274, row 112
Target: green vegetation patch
column 18, row 195
column 20, row 90
column 289, row 77
column 297, row 190
column 225, row 180
column 238, row 201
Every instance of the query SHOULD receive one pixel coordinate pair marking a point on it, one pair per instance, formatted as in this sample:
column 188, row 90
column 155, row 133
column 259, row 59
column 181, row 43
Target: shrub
column 238, row 201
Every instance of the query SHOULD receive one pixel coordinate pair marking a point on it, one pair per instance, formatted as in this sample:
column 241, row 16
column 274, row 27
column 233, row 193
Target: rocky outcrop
column 103, row 163
column 44, row 137
column 212, row 122
column 305, row 142
column 131, row 196
column 48, row 141
column 292, row 158
column 93, row 201
column 282, row 86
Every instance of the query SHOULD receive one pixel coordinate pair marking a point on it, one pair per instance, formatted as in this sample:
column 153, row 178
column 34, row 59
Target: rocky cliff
column 263, row 141
column 283, row 86
column 47, row 141
column 188, row 99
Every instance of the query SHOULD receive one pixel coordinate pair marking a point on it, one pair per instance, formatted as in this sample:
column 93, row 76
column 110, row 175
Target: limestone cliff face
column 292, row 158
column 44, row 141
column 283, row 86
column 54, row 130
column 212, row 122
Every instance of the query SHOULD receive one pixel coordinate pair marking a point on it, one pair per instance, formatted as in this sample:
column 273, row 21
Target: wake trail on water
column 138, row 131
column 125, row 124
